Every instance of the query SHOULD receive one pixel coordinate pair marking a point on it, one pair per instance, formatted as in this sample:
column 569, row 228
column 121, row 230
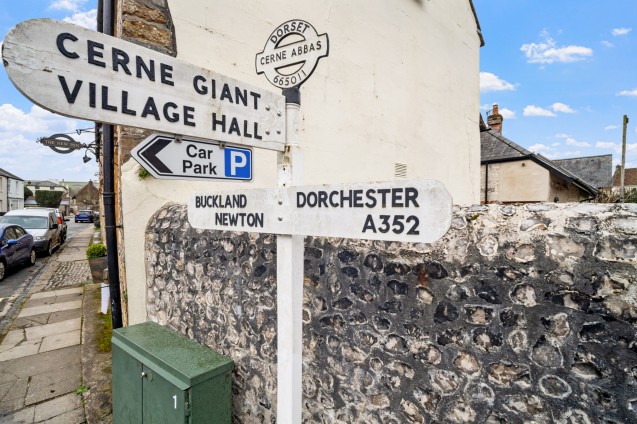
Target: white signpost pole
column 290, row 279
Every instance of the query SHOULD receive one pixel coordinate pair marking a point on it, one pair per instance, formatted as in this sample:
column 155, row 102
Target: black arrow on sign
column 150, row 154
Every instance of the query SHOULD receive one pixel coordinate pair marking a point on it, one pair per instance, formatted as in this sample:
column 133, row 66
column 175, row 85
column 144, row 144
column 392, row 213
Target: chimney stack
column 495, row 119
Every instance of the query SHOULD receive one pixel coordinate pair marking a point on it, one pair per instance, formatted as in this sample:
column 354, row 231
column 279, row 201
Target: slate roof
column 630, row 177
column 494, row 147
column 9, row 175
column 44, row 184
column 596, row 170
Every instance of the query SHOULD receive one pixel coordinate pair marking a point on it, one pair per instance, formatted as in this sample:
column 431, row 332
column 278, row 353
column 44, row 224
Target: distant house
column 511, row 174
column 88, row 197
column 630, row 178
column 11, row 191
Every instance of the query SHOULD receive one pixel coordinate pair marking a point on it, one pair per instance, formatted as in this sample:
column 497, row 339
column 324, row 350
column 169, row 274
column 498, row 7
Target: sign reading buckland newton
column 83, row 74
column 405, row 211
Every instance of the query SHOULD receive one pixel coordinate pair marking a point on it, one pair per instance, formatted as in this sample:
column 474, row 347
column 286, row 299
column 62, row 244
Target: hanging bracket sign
column 417, row 211
column 61, row 143
column 291, row 53
column 80, row 73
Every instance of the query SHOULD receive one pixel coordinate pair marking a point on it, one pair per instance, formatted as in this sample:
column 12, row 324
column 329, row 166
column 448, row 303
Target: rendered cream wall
column 400, row 85
column 523, row 183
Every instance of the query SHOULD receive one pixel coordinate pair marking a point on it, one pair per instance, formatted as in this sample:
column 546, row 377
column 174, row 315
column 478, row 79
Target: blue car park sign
column 168, row 157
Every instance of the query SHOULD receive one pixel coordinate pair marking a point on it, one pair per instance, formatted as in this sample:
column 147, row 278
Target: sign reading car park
column 165, row 157
column 406, row 211
column 291, row 53
column 84, row 74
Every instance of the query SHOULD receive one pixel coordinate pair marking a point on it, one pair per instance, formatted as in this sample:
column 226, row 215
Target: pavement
column 55, row 361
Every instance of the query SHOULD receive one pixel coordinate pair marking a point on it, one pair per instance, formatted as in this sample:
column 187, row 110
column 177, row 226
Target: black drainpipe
column 486, row 183
column 106, row 25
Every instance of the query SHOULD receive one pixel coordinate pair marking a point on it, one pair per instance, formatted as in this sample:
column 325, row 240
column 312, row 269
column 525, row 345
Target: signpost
column 83, row 74
column 405, row 211
column 165, row 157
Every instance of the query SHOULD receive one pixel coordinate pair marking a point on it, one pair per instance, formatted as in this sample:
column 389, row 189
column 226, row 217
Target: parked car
column 16, row 248
column 61, row 219
column 85, row 216
column 42, row 224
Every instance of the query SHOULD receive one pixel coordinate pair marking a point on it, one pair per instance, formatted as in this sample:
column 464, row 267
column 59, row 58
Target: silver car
column 42, row 224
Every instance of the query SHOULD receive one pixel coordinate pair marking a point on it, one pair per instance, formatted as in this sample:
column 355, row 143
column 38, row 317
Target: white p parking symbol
column 238, row 163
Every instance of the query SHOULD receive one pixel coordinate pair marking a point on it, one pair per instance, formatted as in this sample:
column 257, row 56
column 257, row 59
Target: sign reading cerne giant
column 416, row 211
column 84, row 74
column 291, row 53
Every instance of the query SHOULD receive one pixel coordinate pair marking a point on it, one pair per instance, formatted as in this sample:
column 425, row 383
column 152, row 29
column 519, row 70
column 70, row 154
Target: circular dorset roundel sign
column 291, row 53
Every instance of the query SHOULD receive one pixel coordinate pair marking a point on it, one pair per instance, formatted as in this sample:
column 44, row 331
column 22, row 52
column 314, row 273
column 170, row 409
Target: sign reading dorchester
column 291, row 53
column 406, row 211
column 84, row 74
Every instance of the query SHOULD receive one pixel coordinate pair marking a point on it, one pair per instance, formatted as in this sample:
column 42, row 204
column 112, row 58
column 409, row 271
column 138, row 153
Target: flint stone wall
column 520, row 314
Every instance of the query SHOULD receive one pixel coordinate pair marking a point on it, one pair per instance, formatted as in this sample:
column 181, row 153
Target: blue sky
column 22, row 123
column 563, row 73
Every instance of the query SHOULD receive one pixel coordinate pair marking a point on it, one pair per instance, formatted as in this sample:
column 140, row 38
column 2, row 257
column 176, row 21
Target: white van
column 42, row 224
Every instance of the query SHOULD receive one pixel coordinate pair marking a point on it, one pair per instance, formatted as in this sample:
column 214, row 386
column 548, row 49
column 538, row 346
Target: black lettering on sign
column 148, row 70
column 125, row 108
column 120, row 58
column 95, row 50
column 395, row 223
column 166, row 74
column 198, row 84
column 150, row 109
column 70, row 95
column 105, row 104
column 60, row 43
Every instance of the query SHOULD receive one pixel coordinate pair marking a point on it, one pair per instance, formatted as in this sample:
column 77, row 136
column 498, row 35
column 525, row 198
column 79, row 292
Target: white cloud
column 492, row 82
column 605, row 145
column 547, row 51
column 538, row 148
column 611, row 127
column 22, row 156
column 70, row 5
column 617, row 147
column 561, row 107
column 532, row 110
column 620, row 31
column 507, row 113
column 572, row 142
column 84, row 19
column 607, row 43
column 561, row 135
column 628, row 93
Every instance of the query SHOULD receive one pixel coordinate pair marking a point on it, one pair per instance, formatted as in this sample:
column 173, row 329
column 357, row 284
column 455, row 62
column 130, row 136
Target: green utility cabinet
column 160, row 376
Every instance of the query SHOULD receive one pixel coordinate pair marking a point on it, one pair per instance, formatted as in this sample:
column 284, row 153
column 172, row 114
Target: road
column 18, row 280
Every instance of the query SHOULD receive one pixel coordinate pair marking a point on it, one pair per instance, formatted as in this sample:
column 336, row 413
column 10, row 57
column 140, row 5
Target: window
column 19, row 232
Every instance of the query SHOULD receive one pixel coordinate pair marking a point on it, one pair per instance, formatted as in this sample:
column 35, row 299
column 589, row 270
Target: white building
column 11, row 191
column 397, row 97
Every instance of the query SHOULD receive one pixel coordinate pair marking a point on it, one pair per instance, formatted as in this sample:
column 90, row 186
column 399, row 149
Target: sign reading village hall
column 406, row 211
column 84, row 74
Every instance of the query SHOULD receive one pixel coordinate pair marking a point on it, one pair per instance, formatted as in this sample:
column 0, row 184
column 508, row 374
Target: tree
column 48, row 199
column 27, row 192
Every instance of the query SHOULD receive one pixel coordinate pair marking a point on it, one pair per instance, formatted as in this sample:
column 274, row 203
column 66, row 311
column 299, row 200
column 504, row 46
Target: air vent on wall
column 400, row 170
